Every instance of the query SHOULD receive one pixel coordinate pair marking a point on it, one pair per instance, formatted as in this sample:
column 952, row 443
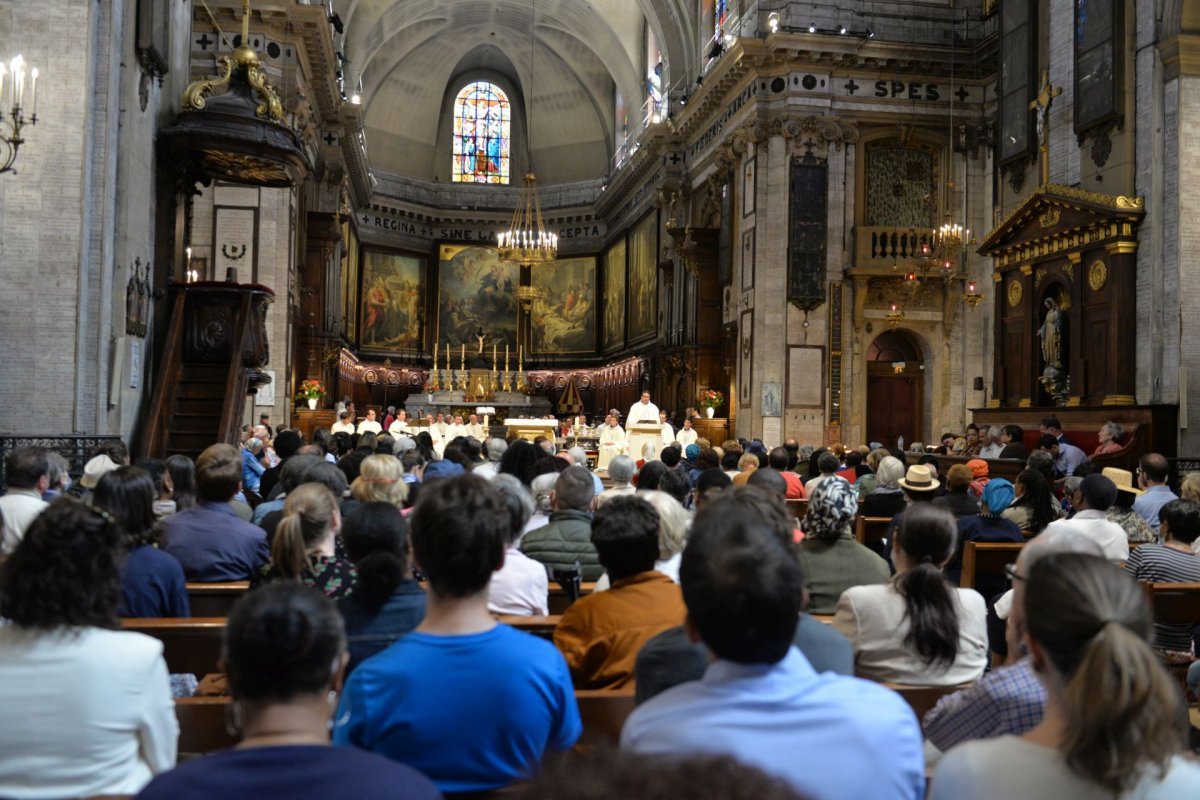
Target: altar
column 507, row 404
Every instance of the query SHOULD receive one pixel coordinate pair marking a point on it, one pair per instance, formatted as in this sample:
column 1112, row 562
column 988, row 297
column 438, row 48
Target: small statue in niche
column 1054, row 375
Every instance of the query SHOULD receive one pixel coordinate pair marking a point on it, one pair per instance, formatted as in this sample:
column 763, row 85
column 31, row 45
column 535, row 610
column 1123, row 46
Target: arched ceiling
column 408, row 53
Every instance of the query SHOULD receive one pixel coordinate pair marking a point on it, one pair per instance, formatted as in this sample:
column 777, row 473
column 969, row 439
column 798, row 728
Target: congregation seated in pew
column 521, row 586
column 387, row 602
column 472, row 704
column 831, row 560
column 280, row 687
column 303, row 547
column 600, row 634
column 89, row 705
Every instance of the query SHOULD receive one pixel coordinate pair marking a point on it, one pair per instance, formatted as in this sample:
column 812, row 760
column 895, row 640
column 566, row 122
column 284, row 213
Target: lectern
column 641, row 433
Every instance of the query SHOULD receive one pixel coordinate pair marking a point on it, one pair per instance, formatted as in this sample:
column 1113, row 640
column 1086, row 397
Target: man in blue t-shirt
column 470, row 703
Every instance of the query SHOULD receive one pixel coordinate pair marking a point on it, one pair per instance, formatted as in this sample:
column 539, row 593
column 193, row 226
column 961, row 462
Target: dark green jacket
column 565, row 540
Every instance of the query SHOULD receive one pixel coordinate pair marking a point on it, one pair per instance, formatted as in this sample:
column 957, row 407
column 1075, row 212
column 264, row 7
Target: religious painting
column 771, row 399
column 1097, row 62
column 563, row 316
column 477, row 296
column 643, row 279
column 482, row 135
column 393, row 296
column 614, row 295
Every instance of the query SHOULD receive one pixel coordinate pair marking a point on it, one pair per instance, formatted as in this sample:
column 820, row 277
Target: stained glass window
column 720, row 11
column 482, row 134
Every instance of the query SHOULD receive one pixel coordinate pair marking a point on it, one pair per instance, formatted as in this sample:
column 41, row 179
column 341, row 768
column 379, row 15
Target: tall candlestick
column 493, row 356
column 506, row 356
column 462, row 364
column 447, row 356
column 33, row 90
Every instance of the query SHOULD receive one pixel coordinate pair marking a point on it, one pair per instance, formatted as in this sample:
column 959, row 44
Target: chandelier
column 12, row 79
column 527, row 241
column 941, row 250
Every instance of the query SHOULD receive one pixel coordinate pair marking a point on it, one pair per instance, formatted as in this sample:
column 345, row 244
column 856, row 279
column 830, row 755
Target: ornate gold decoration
column 1069, row 269
column 1050, row 217
column 1039, row 276
column 1119, row 400
column 245, row 56
column 1015, row 293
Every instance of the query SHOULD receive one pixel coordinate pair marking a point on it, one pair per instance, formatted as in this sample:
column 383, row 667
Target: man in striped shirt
column 1174, row 561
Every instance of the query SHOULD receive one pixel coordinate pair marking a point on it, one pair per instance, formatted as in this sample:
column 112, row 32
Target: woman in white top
column 88, row 706
column 1114, row 720
column 917, row 629
column 674, row 522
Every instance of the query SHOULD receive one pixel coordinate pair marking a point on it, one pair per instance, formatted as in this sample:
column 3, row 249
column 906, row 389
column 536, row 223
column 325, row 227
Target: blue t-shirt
column 152, row 585
column 472, row 712
column 297, row 772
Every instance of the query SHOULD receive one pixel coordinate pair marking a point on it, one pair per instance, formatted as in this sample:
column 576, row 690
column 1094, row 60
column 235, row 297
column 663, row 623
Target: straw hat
column 1123, row 478
column 96, row 469
column 919, row 479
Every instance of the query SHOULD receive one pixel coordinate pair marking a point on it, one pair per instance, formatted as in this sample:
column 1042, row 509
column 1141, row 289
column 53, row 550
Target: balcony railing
column 885, row 246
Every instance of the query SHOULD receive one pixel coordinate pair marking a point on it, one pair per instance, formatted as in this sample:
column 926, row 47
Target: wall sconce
column 895, row 314
column 898, row 367
column 13, row 102
column 972, row 297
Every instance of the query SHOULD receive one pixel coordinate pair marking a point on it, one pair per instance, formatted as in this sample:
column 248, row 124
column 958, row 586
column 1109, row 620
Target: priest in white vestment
column 612, row 442
column 642, row 411
column 687, row 435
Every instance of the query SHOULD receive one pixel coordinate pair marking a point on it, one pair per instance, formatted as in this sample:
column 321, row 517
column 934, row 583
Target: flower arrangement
column 311, row 389
column 712, row 398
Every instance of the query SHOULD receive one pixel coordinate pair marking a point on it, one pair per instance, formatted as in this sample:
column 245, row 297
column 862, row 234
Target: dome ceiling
column 411, row 54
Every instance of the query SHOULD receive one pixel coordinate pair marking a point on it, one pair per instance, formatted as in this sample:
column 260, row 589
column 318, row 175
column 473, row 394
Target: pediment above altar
column 1056, row 219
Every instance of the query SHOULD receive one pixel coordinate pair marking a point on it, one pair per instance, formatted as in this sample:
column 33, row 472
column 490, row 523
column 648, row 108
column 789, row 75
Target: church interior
column 844, row 225
column 848, row 219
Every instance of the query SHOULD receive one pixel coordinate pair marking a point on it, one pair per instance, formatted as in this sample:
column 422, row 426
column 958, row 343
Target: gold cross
column 1041, row 104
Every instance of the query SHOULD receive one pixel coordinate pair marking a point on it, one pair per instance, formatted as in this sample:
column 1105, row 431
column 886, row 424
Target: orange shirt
column 795, row 486
column 600, row 634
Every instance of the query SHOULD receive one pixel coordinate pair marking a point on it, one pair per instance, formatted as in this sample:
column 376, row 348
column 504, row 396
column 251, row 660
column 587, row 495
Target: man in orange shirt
column 600, row 635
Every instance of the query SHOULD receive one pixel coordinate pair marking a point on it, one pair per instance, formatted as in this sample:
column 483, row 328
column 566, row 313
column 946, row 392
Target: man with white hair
column 494, row 450
column 1009, row 700
column 620, row 471
column 579, row 456
column 992, row 446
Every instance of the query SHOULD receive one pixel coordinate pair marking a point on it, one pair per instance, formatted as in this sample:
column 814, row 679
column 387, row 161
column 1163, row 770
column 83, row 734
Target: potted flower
column 311, row 391
column 711, row 399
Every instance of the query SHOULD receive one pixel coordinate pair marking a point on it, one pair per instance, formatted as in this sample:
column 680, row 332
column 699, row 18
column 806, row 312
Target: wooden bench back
column 190, row 644
column 1177, row 603
column 215, row 599
column 797, row 507
column 871, row 531
column 203, row 728
column 986, row 558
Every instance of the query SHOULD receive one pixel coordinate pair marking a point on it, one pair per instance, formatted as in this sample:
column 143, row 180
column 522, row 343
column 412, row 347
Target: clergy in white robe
column 474, row 429
column 642, row 411
column 687, row 435
column 612, row 443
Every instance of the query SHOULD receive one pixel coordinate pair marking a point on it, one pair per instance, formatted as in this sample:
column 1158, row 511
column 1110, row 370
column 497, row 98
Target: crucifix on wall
column 1041, row 104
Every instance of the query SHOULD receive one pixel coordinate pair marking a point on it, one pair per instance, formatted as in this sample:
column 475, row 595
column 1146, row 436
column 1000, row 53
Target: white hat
column 96, row 469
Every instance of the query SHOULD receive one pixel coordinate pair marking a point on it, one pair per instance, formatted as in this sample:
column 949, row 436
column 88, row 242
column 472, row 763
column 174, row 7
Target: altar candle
column 447, row 356
column 493, row 356
column 506, row 356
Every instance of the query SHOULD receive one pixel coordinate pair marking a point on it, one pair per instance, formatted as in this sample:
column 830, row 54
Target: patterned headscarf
column 831, row 509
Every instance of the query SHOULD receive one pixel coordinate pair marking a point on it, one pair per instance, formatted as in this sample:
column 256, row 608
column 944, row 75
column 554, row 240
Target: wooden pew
column 603, row 713
column 557, row 599
column 1174, row 603
column 797, row 508
column 190, row 644
column 871, row 531
column 215, row 599
column 980, row 558
column 202, row 720
column 923, row 698
column 542, row 627
column 202, row 724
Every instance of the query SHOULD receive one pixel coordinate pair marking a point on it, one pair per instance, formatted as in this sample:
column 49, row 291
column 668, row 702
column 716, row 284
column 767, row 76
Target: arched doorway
column 895, row 374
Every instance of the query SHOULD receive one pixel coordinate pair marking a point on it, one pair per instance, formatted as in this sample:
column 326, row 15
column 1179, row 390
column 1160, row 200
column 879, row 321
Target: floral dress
column 333, row 575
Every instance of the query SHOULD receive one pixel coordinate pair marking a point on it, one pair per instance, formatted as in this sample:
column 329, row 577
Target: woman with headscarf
column 987, row 526
column 830, row 559
column 979, row 475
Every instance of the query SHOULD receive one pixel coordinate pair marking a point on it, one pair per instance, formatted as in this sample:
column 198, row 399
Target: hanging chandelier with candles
column 12, row 103
column 527, row 241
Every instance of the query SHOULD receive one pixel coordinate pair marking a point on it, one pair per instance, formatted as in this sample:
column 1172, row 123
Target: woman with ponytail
column 387, row 602
column 1114, row 723
column 917, row 629
column 304, row 548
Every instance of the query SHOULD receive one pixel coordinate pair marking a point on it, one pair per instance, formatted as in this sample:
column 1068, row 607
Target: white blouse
column 89, row 712
column 873, row 618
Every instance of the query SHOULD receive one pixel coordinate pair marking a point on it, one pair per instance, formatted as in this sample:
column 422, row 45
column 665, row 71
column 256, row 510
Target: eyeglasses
column 1011, row 571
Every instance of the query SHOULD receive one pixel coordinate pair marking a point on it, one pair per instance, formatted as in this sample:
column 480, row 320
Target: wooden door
column 893, row 409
